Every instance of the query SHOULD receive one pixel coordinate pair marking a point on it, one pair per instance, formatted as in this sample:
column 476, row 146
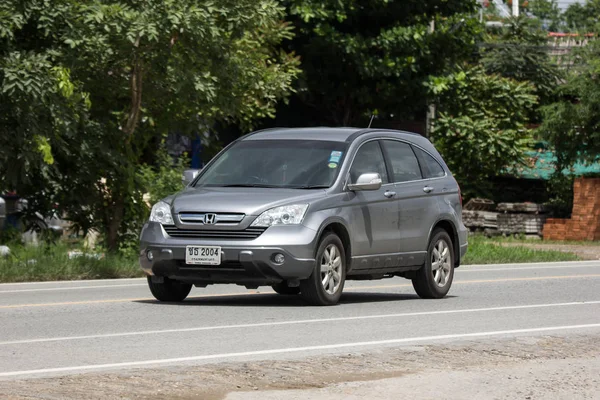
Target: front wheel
column 325, row 285
column 434, row 279
column 169, row 290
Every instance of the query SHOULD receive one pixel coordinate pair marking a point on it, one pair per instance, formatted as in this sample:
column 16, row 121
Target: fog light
column 279, row 258
column 150, row 256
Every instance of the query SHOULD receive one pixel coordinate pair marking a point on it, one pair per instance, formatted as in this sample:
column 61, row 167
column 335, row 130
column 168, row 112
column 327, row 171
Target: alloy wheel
column 441, row 262
column 331, row 269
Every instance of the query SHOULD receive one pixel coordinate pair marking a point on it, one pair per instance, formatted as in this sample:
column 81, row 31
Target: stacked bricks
column 585, row 219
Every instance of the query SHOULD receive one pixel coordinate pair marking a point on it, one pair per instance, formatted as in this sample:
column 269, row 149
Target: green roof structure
column 540, row 165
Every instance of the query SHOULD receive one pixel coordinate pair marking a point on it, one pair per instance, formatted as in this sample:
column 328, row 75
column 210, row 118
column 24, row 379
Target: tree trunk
column 114, row 218
column 115, row 215
column 136, row 100
column 342, row 113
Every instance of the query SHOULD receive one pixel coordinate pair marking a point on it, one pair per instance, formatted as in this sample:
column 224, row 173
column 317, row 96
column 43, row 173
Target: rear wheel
column 325, row 285
column 433, row 281
column 283, row 289
column 169, row 290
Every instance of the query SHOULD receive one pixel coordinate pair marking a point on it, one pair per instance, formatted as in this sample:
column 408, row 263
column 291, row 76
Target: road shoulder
column 521, row 366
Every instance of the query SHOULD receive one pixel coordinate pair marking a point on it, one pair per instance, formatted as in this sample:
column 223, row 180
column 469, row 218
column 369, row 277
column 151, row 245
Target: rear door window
column 404, row 164
column 431, row 168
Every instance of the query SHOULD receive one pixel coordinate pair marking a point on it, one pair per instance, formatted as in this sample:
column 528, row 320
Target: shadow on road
column 275, row 300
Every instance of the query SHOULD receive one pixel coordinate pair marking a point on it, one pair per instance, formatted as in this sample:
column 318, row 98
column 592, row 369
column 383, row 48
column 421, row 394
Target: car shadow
column 276, row 300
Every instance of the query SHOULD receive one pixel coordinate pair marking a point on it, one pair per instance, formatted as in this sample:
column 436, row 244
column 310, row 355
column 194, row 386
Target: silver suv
column 304, row 210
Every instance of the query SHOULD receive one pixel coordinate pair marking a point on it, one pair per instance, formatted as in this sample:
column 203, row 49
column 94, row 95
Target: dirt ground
column 563, row 367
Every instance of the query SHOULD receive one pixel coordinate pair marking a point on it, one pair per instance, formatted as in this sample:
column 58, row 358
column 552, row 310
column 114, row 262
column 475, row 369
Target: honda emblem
column 210, row 219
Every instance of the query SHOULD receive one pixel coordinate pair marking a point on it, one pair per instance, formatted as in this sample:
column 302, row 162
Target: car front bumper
column 244, row 262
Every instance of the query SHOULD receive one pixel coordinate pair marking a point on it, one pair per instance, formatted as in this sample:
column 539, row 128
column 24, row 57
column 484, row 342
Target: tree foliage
column 582, row 18
column 88, row 86
column 572, row 124
column 518, row 51
column 547, row 11
column 481, row 126
column 363, row 57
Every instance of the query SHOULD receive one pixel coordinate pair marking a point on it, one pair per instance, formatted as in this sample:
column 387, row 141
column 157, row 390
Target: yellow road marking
column 269, row 293
column 68, row 303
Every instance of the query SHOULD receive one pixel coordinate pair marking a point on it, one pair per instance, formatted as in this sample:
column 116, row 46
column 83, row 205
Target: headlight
column 161, row 212
column 286, row 215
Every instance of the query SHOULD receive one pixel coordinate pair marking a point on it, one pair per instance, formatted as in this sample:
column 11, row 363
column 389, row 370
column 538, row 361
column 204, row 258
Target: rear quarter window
column 431, row 168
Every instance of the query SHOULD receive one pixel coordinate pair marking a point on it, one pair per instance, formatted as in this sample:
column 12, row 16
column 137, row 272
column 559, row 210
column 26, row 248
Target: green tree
column 481, row 126
column 363, row 57
column 547, row 11
column 572, row 124
column 117, row 75
column 519, row 51
column 583, row 18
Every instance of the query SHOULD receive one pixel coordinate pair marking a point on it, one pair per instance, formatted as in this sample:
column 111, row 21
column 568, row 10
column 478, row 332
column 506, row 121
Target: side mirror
column 366, row 182
column 189, row 175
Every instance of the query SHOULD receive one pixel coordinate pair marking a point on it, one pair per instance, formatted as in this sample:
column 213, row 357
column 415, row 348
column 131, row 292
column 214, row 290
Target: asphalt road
column 59, row 328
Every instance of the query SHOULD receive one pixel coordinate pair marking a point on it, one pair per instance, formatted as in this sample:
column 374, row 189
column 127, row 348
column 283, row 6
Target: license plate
column 203, row 255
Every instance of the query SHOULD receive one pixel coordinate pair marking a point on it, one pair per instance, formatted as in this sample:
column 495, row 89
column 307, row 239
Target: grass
column 489, row 251
column 512, row 239
column 52, row 263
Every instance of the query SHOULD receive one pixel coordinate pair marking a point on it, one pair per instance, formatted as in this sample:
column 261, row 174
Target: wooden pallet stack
column 506, row 218
column 479, row 215
column 525, row 218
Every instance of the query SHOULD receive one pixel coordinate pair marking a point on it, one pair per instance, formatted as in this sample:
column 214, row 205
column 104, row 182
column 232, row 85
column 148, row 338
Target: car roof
column 318, row 133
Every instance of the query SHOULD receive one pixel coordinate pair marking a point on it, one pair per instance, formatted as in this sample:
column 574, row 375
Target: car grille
column 214, row 218
column 246, row 234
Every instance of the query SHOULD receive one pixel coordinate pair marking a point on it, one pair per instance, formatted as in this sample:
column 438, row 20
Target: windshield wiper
column 311, row 187
column 258, row 185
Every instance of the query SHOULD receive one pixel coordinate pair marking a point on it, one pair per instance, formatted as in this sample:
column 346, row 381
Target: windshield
column 301, row 164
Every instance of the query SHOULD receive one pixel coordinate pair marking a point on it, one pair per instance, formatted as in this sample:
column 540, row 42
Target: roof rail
column 258, row 131
column 356, row 134
column 371, row 130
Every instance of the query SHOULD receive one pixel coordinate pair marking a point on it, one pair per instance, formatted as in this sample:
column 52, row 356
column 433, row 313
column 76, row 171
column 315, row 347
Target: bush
column 52, row 262
column 155, row 182
column 560, row 190
column 163, row 178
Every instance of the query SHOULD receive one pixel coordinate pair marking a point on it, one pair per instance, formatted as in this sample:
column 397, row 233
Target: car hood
column 249, row 201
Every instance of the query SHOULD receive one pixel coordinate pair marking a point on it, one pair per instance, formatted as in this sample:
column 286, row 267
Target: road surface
column 58, row 329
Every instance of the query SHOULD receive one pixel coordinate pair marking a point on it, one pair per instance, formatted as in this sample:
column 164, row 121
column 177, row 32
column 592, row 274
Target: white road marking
column 74, row 281
column 294, row 322
column 81, row 368
column 72, row 288
column 469, row 269
column 589, row 263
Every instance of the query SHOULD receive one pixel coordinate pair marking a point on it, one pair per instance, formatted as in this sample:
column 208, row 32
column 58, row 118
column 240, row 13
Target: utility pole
column 431, row 106
column 515, row 4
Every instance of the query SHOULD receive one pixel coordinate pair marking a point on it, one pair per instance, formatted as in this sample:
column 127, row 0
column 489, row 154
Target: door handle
column 428, row 189
column 389, row 194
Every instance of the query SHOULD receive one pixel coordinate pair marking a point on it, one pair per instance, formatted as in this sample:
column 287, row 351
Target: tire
column 169, row 290
column 327, row 267
column 283, row 289
column 432, row 282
